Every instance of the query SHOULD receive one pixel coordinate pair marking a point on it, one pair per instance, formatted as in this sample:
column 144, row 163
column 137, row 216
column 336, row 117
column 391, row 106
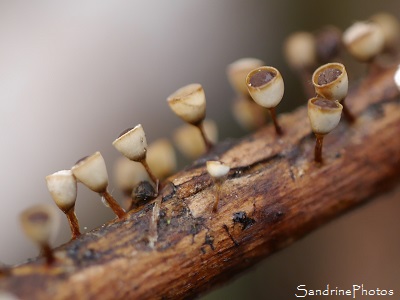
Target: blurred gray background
column 73, row 74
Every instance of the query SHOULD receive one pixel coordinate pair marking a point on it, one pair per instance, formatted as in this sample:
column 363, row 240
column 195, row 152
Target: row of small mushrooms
column 248, row 77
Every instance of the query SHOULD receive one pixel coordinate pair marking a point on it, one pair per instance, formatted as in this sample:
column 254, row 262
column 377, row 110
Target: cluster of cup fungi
column 138, row 174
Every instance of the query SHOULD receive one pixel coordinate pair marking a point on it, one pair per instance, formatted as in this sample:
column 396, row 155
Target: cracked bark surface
column 274, row 195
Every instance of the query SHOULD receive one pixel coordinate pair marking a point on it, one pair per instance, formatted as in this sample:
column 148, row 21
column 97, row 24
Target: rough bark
column 274, row 195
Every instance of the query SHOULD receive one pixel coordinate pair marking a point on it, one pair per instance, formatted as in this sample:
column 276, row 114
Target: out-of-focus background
column 73, row 74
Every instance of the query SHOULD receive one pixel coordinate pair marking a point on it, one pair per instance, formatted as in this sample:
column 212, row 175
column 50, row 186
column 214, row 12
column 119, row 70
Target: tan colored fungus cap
column 63, row 189
column 265, row 85
column 92, row 172
column 189, row 103
column 132, row 143
column 324, row 115
column 161, row 158
column 300, row 50
column 390, row 27
column 331, row 82
column 188, row 139
column 364, row 40
column 217, row 169
column 40, row 223
column 128, row 174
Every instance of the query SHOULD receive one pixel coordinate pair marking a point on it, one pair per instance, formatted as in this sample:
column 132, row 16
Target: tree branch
column 274, row 195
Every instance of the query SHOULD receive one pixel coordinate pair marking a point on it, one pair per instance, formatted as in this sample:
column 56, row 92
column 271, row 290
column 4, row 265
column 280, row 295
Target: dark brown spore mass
column 38, row 217
column 261, row 77
column 324, row 103
column 328, row 75
column 125, row 131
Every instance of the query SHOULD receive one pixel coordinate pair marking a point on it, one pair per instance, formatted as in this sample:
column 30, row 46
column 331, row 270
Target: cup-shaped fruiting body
column 40, row 223
column 189, row 142
column 127, row 174
column 248, row 114
column 300, row 50
column 364, row 40
column 218, row 171
column 390, row 27
column 161, row 158
column 266, row 87
column 92, row 172
column 324, row 114
column 328, row 44
column 331, row 82
column 189, row 103
column 63, row 189
column 132, row 143
column 238, row 70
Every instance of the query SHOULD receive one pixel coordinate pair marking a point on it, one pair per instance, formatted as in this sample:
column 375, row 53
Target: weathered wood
column 274, row 195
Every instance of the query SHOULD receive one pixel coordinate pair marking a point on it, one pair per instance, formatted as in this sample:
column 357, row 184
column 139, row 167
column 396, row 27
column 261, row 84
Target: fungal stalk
column 266, row 87
column 324, row 116
column 218, row 171
column 92, row 172
column 63, row 189
column 189, row 103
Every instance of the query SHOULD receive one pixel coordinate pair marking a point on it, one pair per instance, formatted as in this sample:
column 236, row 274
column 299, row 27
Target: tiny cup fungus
column 189, row 141
column 132, row 143
column 324, row 116
column 40, row 223
column 248, row 114
column 331, row 82
column 390, row 27
column 161, row 158
column 266, row 87
column 237, row 72
column 92, row 172
column 189, row 103
column 218, row 171
column 364, row 40
column 63, row 189
column 300, row 50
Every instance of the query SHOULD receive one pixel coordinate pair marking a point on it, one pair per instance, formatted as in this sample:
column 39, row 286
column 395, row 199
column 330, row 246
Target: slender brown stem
column 113, row 204
column 152, row 176
column 318, row 148
column 207, row 142
column 217, row 192
column 73, row 223
column 47, row 253
column 347, row 113
column 278, row 129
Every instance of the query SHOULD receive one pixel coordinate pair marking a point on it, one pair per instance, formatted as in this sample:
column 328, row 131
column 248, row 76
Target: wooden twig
column 274, row 195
